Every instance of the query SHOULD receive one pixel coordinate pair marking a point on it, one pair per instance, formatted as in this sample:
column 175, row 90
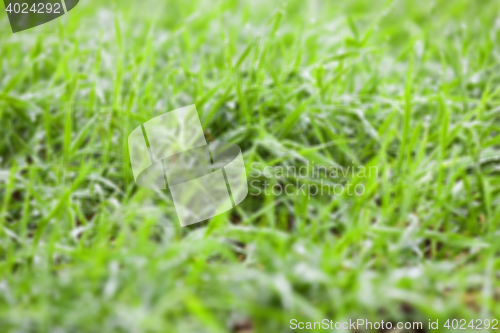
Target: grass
column 408, row 87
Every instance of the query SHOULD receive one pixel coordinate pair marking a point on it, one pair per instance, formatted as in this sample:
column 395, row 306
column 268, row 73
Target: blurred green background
column 410, row 87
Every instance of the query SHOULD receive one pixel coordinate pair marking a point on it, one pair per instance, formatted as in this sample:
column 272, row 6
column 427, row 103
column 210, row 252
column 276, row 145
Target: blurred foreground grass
column 408, row 87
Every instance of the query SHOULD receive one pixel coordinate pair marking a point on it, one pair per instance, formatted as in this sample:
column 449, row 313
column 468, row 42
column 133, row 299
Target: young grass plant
column 408, row 88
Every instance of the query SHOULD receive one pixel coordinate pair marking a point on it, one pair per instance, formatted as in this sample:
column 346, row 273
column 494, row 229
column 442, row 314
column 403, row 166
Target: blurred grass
column 409, row 87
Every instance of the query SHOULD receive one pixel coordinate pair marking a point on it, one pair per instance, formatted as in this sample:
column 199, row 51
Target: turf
column 408, row 87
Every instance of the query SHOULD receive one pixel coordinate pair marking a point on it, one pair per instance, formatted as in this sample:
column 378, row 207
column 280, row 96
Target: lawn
column 408, row 88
